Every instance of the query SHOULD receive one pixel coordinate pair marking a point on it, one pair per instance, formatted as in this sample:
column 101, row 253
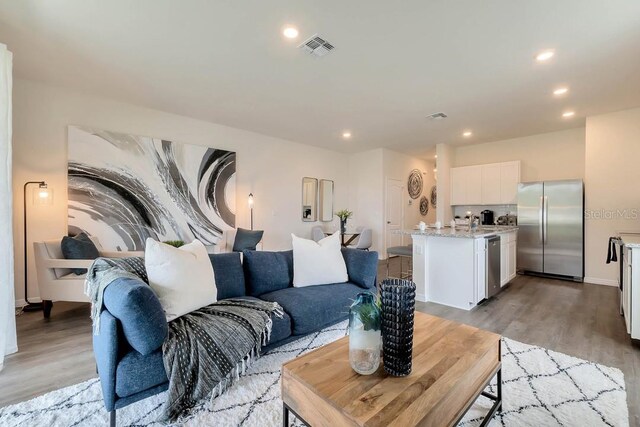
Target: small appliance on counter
column 486, row 217
column 510, row 220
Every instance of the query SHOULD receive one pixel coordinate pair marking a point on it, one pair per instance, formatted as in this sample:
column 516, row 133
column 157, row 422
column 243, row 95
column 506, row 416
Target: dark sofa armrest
column 105, row 349
column 362, row 266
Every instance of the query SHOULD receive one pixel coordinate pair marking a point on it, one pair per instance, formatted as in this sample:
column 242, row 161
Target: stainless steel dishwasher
column 492, row 267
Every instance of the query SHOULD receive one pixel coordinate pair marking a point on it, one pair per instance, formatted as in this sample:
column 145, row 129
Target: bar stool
column 402, row 252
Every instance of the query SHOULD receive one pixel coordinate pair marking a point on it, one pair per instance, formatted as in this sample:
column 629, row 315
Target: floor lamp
column 251, row 208
column 43, row 196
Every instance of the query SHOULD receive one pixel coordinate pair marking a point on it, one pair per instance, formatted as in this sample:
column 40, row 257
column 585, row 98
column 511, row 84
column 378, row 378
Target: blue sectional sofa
column 128, row 349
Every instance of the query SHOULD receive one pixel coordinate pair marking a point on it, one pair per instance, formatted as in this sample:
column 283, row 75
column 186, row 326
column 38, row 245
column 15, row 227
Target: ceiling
column 394, row 63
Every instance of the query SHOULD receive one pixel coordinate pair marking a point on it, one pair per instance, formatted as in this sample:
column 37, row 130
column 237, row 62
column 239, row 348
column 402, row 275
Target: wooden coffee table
column 452, row 365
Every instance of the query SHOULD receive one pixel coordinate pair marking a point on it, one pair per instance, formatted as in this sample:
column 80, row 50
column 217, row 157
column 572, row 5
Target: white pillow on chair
column 318, row 263
column 182, row 278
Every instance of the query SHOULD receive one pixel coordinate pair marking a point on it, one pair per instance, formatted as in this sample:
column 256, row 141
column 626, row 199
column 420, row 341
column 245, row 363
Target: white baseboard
column 22, row 302
column 597, row 281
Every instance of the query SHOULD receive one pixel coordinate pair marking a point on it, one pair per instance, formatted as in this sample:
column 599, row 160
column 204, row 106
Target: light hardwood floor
column 581, row 320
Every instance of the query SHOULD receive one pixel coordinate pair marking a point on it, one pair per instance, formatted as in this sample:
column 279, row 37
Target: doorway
column 394, row 213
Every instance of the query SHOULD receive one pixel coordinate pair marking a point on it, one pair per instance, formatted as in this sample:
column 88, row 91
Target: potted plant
column 344, row 215
column 174, row 243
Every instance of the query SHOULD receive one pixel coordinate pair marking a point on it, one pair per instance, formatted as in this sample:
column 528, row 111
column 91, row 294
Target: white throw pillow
column 318, row 263
column 181, row 277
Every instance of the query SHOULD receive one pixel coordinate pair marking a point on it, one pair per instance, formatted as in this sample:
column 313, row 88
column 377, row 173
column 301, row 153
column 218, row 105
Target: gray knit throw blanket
column 102, row 272
column 208, row 349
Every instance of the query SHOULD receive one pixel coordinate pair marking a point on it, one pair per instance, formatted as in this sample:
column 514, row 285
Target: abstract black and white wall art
column 124, row 188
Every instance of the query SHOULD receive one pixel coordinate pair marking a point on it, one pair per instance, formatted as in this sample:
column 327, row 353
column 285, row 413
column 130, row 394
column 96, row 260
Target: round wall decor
column 414, row 184
column 424, row 206
column 434, row 196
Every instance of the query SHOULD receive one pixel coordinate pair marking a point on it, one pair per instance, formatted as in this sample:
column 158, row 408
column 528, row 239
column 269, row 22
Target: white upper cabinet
column 466, row 185
column 458, row 186
column 509, row 179
column 492, row 184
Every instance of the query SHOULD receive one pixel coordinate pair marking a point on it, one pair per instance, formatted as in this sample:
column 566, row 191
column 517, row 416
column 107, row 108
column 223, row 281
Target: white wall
column 612, row 189
column 366, row 198
column 270, row 168
column 547, row 156
column 368, row 172
column 444, row 163
column 399, row 166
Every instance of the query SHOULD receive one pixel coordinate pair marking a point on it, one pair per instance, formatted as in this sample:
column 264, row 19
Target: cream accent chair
column 56, row 281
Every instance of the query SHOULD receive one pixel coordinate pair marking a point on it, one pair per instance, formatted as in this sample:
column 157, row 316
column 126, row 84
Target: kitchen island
column 450, row 264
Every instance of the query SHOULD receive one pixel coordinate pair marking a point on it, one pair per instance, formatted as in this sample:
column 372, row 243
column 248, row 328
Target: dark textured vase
column 398, row 306
column 343, row 226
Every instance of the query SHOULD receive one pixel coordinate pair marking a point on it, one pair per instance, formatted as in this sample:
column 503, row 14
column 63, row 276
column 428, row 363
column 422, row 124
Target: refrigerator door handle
column 545, row 219
column 541, row 222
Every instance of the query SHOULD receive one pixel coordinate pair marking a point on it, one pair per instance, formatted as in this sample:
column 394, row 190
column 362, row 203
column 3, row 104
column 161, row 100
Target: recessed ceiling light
column 467, row 133
column 435, row 157
column 561, row 91
column 568, row 114
column 545, row 55
column 346, row 134
column 435, row 169
column 290, row 32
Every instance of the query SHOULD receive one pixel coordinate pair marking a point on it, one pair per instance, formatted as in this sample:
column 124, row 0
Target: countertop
column 631, row 240
column 464, row 232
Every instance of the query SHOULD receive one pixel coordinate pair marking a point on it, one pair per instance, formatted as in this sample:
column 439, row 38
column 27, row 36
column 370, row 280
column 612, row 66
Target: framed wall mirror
column 309, row 199
column 326, row 200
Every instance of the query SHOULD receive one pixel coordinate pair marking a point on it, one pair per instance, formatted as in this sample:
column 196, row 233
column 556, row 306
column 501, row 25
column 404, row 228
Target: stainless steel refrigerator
column 551, row 228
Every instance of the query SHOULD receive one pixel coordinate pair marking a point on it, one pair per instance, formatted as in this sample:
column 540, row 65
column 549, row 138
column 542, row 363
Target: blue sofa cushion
column 314, row 307
column 281, row 328
column 267, row 271
column 362, row 266
column 137, row 372
column 227, row 269
column 138, row 309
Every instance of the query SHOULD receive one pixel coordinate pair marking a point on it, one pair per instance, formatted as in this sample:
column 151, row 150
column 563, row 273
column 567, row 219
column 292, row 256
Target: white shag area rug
column 540, row 388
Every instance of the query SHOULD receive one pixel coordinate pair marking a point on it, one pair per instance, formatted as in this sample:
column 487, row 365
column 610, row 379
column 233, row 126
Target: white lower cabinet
column 508, row 252
column 631, row 291
column 480, row 264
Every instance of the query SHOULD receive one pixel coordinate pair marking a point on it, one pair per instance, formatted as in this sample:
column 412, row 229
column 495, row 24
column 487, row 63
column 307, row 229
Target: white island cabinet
column 630, row 292
column 508, row 256
column 449, row 265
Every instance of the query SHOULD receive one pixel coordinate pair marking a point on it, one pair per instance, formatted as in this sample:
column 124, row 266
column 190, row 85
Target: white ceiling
column 394, row 63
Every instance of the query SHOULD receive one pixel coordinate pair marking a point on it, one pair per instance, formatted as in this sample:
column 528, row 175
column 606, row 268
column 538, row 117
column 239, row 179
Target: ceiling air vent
column 437, row 116
column 316, row 46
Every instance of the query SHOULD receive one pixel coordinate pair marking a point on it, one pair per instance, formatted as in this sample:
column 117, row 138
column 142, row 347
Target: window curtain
column 8, row 342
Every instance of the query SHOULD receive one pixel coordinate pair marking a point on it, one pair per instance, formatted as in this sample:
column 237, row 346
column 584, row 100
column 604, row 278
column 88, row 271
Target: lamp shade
column 43, row 195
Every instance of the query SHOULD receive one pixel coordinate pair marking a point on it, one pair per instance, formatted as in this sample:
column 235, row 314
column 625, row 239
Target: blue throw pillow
column 267, row 271
column 362, row 266
column 139, row 311
column 79, row 247
column 247, row 239
column 227, row 269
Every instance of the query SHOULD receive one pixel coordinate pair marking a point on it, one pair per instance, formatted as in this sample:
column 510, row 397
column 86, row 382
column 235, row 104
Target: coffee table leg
column 499, row 408
column 497, row 400
column 285, row 415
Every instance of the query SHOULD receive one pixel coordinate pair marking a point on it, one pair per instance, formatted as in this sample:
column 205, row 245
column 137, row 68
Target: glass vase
column 365, row 338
